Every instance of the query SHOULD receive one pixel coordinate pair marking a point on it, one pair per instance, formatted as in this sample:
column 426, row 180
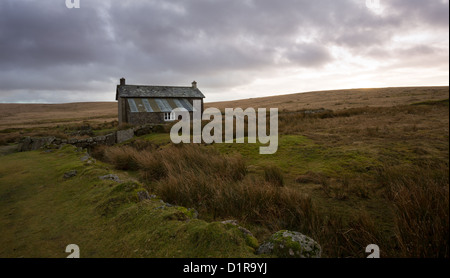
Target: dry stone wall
column 33, row 143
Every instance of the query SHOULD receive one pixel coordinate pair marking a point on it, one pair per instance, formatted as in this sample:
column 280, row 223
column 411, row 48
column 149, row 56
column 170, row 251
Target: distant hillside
column 341, row 99
column 35, row 115
column 347, row 177
column 47, row 115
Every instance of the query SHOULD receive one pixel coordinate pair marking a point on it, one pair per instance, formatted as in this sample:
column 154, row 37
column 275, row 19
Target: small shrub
column 420, row 194
column 311, row 177
column 141, row 145
column 122, row 157
column 341, row 237
column 98, row 152
column 151, row 166
column 159, row 129
column 360, row 189
column 340, row 191
column 8, row 138
column 273, row 175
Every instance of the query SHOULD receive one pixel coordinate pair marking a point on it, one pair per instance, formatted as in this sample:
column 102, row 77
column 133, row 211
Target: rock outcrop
column 290, row 244
column 69, row 174
column 110, row 177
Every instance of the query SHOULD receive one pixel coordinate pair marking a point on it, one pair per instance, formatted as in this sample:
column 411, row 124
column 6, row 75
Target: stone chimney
column 194, row 84
column 122, row 81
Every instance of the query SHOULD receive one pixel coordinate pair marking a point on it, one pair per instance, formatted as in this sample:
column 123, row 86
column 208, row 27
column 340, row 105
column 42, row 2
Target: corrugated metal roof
column 133, row 106
column 158, row 104
column 148, row 108
column 186, row 104
column 163, row 105
column 157, row 91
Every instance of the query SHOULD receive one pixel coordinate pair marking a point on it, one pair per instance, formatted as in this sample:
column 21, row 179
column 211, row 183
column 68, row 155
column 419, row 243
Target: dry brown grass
column 420, row 194
column 411, row 144
column 413, row 222
column 402, row 205
column 359, row 126
column 340, row 99
column 49, row 115
column 219, row 187
column 273, row 175
column 122, row 157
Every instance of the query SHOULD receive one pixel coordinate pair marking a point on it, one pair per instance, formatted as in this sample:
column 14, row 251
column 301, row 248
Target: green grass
column 41, row 213
column 341, row 170
column 157, row 138
column 349, row 152
column 105, row 131
column 297, row 154
column 348, row 172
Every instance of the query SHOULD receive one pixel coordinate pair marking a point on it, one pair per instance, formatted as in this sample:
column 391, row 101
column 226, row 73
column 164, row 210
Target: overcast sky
column 233, row 48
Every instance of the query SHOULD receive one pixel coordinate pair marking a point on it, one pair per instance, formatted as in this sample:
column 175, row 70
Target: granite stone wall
column 33, row 143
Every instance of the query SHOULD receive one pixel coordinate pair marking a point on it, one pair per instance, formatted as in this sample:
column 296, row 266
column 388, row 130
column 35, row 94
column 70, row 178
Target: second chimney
column 122, row 81
column 194, row 85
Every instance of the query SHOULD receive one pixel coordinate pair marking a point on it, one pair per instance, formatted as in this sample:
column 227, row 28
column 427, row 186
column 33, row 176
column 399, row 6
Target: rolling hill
column 14, row 115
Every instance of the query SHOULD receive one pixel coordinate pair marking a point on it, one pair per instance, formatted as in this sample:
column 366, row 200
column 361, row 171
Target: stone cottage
column 143, row 104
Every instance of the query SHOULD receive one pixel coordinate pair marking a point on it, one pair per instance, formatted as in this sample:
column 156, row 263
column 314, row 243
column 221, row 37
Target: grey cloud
column 37, row 34
column 220, row 36
column 433, row 13
column 46, row 47
column 309, row 55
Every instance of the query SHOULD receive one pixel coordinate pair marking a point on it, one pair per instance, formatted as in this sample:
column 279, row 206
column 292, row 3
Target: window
column 132, row 104
column 169, row 116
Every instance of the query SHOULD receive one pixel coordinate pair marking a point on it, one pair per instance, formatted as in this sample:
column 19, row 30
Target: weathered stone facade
column 142, row 104
column 124, row 135
column 142, row 118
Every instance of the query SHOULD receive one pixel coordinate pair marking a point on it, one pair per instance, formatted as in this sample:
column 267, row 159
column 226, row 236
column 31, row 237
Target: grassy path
column 41, row 212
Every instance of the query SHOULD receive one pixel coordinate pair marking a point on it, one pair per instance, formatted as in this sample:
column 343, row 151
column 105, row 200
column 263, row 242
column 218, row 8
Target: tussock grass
column 348, row 238
column 420, row 194
column 371, row 168
column 151, row 166
column 364, row 122
column 45, row 212
column 347, row 178
column 311, row 177
column 252, row 201
column 219, row 187
column 273, row 175
column 122, row 157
